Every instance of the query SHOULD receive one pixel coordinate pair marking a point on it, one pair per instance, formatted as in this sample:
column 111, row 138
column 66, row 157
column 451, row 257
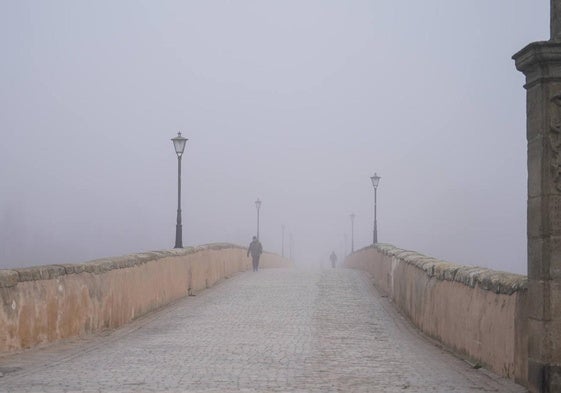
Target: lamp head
column 179, row 144
column 375, row 180
column 258, row 203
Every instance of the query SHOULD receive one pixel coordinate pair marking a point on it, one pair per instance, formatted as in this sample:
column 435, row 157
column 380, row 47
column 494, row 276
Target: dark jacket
column 255, row 249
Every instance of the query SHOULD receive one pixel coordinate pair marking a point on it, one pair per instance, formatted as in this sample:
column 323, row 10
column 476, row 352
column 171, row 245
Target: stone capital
column 540, row 62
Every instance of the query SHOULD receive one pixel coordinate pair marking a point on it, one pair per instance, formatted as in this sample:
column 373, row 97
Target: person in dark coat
column 333, row 258
column 255, row 249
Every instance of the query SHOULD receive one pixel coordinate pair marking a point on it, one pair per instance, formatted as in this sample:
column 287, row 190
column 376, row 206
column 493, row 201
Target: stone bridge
column 392, row 321
column 143, row 322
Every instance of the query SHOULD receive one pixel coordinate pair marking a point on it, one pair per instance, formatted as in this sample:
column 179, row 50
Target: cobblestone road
column 273, row 331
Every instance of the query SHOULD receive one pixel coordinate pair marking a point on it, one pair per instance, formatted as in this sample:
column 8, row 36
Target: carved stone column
column 541, row 63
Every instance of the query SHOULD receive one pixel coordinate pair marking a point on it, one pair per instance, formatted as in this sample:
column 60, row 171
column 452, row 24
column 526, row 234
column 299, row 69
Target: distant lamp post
column 291, row 248
column 258, row 206
column 179, row 145
column 352, row 232
column 375, row 180
column 282, row 252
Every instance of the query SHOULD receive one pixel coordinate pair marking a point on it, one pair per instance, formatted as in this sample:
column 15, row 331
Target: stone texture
column 555, row 23
column 46, row 303
column 473, row 310
column 8, row 278
column 278, row 330
column 472, row 276
column 541, row 64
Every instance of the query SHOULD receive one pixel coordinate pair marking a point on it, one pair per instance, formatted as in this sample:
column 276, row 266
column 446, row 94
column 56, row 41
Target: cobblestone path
column 277, row 330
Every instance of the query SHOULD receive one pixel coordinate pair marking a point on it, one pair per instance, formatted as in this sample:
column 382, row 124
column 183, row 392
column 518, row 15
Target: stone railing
column 478, row 313
column 42, row 304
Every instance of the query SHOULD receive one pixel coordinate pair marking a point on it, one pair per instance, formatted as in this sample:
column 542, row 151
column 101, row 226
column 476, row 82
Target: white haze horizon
column 296, row 103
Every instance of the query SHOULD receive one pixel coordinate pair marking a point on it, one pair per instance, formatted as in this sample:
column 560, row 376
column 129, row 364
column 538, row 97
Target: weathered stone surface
column 552, row 377
column 539, row 61
column 45, row 303
column 8, row 278
column 541, row 64
column 47, row 272
column 491, row 280
column 555, row 23
column 278, row 330
column 474, row 311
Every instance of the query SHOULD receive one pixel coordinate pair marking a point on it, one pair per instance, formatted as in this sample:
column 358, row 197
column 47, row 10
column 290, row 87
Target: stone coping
column 10, row 277
column 491, row 280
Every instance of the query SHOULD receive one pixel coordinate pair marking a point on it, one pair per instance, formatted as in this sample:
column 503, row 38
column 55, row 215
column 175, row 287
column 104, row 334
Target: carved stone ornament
column 555, row 139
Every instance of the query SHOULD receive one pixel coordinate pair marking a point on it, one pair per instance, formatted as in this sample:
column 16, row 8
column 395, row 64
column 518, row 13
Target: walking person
column 333, row 258
column 255, row 249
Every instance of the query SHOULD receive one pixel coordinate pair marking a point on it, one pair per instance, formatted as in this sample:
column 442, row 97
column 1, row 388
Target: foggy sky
column 297, row 103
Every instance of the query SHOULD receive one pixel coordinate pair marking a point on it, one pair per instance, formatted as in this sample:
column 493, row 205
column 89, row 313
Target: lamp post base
column 178, row 237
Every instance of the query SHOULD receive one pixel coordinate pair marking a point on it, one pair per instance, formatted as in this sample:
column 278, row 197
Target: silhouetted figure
column 255, row 249
column 333, row 258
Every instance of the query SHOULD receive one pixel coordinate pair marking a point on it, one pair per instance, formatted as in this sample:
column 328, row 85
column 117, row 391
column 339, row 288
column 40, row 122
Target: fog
column 297, row 103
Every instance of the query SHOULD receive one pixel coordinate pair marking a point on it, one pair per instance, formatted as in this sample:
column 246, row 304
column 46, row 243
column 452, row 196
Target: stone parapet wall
column 478, row 313
column 43, row 304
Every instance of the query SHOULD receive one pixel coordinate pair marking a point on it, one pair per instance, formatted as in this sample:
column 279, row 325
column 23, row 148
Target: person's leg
column 257, row 264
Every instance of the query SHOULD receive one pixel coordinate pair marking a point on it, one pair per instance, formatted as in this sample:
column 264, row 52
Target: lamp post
column 375, row 180
column 291, row 248
column 179, row 145
column 282, row 251
column 352, row 232
column 258, row 206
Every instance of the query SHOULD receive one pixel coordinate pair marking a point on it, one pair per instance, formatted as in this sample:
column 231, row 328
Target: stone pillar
column 555, row 17
column 541, row 64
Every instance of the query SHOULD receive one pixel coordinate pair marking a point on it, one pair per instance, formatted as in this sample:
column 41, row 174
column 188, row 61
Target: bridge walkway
column 276, row 330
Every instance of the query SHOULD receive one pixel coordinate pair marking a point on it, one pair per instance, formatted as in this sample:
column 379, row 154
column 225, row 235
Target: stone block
column 535, row 122
column 535, row 167
column 552, row 378
column 554, row 262
column 552, row 209
column 544, row 216
column 538, row 340
column 8, row 278
column 554, row 333
column 555, row 300
column 535, row 258
column 538, row 300
column 535, row 217
column 535, row 375
column 47, row 272
column 544, row 377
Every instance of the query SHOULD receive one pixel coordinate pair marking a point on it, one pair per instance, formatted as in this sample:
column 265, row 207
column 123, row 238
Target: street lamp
column 258, row 206
column 352, row 232
column 179, row 145
column 291, row 248
column 375, row 180
column 282, row 252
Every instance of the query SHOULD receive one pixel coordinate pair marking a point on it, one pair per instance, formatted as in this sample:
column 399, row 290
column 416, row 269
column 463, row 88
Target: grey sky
column 295, row 102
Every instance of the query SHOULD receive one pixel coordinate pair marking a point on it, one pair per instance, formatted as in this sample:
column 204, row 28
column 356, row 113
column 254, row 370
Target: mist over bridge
column 465, row 309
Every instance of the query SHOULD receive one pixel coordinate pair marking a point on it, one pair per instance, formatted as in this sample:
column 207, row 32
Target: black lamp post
column 375, row 180
column 179, row 145
column 352, row 232
column 258, row 206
